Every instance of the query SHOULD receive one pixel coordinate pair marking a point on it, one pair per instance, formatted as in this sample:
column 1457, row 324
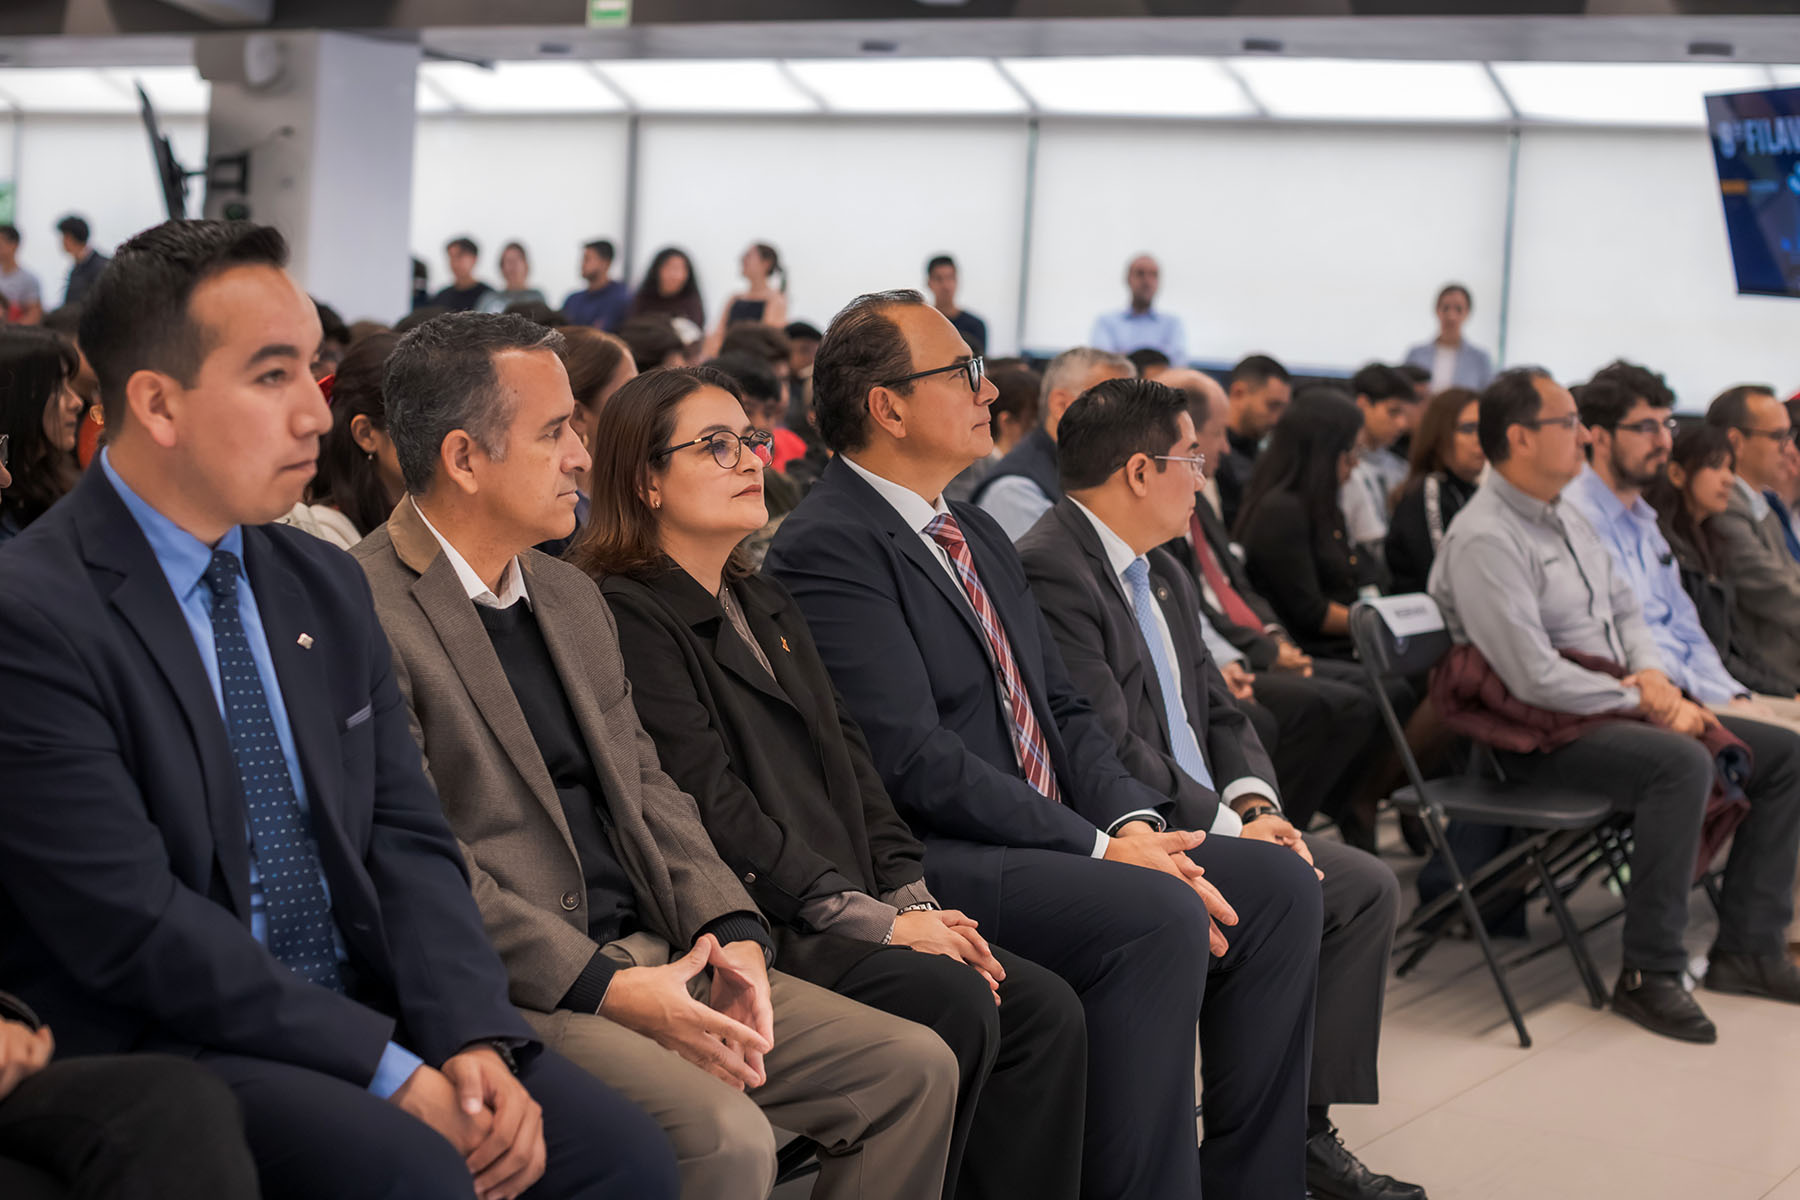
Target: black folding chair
column 1553, row 821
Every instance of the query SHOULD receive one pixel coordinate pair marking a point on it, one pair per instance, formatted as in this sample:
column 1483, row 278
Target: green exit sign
column 608, row 14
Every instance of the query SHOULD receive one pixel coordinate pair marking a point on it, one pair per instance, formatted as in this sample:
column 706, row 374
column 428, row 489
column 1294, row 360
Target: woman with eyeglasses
column 1443, row 473
column 731, row 688
column 40, row 413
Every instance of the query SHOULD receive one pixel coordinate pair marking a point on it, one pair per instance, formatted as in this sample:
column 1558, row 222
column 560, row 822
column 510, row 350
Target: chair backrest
column 1405, row 654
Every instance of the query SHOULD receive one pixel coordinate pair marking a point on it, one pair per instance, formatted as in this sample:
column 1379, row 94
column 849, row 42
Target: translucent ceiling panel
column 722, row 86
column 909, row 85
column 1151, row 87
column 1325, row 89
column 65, row 90
column 175, row 91
column 1785, row 76
column 1665, row 94
column 522, row 87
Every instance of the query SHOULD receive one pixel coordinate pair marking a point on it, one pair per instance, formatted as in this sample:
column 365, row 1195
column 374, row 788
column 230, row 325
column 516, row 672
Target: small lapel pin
column 305, row 641
column 784, row 646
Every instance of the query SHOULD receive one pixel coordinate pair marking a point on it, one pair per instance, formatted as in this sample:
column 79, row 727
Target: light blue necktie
column 1186, row 749
column 287, row 862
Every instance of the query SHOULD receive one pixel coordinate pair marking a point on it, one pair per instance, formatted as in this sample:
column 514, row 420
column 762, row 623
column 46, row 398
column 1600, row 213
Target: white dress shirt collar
column 913, row 508
column 512, row 580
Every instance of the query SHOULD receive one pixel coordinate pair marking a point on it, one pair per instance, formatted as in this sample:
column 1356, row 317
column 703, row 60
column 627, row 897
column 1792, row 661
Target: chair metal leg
column 1584, row 965
column 1472, row 913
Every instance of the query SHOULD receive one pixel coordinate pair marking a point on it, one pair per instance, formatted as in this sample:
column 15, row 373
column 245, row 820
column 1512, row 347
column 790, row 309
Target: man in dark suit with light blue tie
column 218, row 837
column 1030, row 822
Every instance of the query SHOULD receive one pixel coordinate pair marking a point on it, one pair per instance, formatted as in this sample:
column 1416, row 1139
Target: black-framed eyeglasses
column 727, row 448
column 5, row 449
column 1774, row 435
column 1195, row 462
column 1649, row 426
column 973, row 369
column 1567, row 421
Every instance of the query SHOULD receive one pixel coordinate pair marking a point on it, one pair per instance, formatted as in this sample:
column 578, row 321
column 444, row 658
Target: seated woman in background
column 1696, row 487
column 1291, row 526
column 730, row 686
column 762, row 302
column 1443, row 473
column 359, row 480
column 40, row 413
column 669, row 290
column 515, row 274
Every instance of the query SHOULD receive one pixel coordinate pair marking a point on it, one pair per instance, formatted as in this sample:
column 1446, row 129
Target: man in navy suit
column 1030, row 822
column 218, row 838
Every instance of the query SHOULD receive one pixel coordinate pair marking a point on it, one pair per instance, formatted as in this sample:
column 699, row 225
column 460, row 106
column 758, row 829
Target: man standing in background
column 88, row 262
column 940, row 277
column 1140, row 326
column 21, row 299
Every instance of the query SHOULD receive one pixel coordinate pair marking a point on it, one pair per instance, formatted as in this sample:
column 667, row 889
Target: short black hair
column 1511, row 399
column 758, row 341
column 752, row 374
column 601, row 247
column 1455, row 289
column 1616, row 389
column 1112, row 421
column 651, row 339
column 10, row 233
column 1415, row 373
column 1378, row 382
column 862, row 350
column 465, row 244
column 1257, row 370
column 1146, row 357
column 538, row 313
column 1730, row 409
column 803, row 331
column 136, row 315
column 441, row 378
column 331, row 326
column 418, row 317
column 74, row 227
column 939, row 260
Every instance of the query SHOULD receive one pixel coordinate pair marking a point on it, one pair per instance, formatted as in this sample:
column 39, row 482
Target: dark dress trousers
column 903, row 647
column 794, row 804
column 1331, row 734
column 1107, row 657
column 124, row 869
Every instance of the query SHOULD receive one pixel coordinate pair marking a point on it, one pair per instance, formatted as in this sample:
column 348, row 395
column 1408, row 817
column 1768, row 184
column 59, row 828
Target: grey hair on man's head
column 441, row 378
column 1068, row 369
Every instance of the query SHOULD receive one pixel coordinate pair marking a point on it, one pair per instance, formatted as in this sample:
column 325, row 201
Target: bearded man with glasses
column 1523, row 577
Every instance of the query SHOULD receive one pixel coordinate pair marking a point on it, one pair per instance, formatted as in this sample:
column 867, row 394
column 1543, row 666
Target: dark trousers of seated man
column 1662, row 779
column 316, row 1136
column 125, row 1127
column 1133, row 944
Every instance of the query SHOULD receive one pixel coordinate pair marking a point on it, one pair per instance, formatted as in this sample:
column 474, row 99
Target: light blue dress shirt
column 1128, row 330
column 1641, row 552
column 184, row 559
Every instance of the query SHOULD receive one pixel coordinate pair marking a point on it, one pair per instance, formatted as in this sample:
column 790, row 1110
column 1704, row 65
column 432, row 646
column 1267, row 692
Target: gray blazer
column 1754, row 559
column 1474, row 369
column 495, row 789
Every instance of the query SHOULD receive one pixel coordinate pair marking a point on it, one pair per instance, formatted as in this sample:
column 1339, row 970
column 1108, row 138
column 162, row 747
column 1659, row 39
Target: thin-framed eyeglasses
column 1774, row 435
column 1649, row 425
column 727, row 448
column 1195, row 462
column 1566, row 421
column 973, row 369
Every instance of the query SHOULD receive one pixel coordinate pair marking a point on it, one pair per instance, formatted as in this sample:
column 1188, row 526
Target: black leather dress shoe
column 1333, row 1173
column 1657, row 1001
column 1770, row 975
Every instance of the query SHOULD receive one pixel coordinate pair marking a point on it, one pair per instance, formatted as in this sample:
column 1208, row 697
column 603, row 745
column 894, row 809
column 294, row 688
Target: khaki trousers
column 1785, row 712
column 878, row 1093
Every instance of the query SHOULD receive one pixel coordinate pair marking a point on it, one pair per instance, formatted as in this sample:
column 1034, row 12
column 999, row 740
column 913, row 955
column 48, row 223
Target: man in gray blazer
column 1126, row 617
column 629, row 944
column 1753, row 549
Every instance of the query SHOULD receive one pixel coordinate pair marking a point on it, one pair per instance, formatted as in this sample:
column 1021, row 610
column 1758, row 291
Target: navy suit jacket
column 902, row 645
column 124, row 865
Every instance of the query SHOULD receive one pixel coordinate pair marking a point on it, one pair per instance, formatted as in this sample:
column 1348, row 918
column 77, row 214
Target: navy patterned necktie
column 287, row 863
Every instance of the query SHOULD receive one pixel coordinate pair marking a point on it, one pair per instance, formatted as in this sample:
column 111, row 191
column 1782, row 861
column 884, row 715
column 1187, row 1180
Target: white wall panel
column 852, row 205
column 99, row 167
column 551, row 183
column 1323, row 246
column 1621, row 251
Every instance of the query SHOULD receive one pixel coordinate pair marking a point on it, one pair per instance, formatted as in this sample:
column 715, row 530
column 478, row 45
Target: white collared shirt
column 512, row 580
column 919, row 512
column 1120, row 556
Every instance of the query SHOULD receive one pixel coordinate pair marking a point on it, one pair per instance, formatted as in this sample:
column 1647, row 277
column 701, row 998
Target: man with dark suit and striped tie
column 218, row 837
column 1030, row 822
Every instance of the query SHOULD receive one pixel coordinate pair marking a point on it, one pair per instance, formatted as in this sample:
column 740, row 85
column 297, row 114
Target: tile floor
column 1596, row 1109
